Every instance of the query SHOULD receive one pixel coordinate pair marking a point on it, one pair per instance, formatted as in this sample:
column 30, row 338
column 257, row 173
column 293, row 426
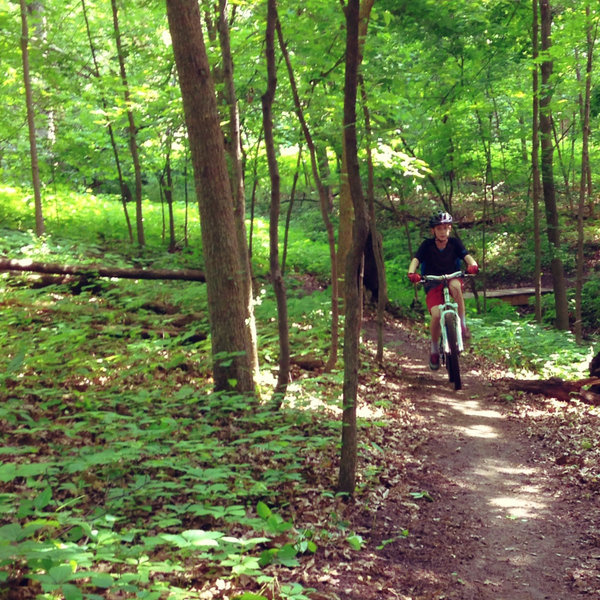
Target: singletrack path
column 487, row 512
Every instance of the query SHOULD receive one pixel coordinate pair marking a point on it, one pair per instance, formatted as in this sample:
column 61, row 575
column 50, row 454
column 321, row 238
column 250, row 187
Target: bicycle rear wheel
column 452, row 361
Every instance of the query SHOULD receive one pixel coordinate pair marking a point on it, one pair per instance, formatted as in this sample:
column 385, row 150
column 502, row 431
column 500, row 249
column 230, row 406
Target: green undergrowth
column 126, row 492
column 527, row 348
column 122, row 473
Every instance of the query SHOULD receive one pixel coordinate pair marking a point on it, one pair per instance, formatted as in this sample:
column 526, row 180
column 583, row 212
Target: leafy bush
column 528, row 348
column 590, row 309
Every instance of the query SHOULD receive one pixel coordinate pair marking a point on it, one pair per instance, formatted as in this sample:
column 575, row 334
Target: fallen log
column 587, row 390
column 91, row 271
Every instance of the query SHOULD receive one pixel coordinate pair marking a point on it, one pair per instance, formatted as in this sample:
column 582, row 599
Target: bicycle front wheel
column 452, row 362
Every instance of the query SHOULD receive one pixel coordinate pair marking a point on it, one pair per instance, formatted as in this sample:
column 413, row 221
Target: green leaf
column 71, row 592
column 17, row 360
column 193, row 538
column 61, row 574
column 356, row 541
column 264, row 512
column 287, row 556
column 267, row 557
column 198, row 537
column 249, row 565
column 102, row 580
column 43, row 499
column 424, row 495
column 8, row 472
column 13, row 532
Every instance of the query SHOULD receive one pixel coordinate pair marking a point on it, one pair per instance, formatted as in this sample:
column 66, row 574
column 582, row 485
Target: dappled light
column 186, row 412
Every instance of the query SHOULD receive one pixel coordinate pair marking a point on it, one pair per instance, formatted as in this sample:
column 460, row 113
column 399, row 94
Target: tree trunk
column 587, row 390
column 232, row 355
column 549, row 191
column 325, row 172
column 253, row 194
column 125, row 193
column 376, row 241
column 347, row 472
column 168, row 191
column 288, row 216
column 535, row 168
column 346, row 217
column 324, row 205
column 35, row 169
column 276, row 277
column 237, row 175
column 132, row 129
column 585, row 165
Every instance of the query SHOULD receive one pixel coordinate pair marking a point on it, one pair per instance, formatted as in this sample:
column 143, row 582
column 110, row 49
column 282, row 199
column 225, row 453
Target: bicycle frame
column 448, row 307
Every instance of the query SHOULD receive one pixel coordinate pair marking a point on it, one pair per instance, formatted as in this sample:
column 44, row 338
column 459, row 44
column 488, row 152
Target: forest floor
column 481, row 495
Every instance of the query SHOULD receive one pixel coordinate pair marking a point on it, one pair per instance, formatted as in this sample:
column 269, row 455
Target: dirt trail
column 499, row 524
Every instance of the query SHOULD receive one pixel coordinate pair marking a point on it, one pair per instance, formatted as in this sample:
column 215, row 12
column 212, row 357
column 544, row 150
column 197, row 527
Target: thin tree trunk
column 125, row 193
column 35, row 168
column 186, row 198
column 585, row 125
column 548, row 187
column 325, row 172
column 524, row 153
column 324, row 204
column 375, row 237
column 232, row 362
column 288, row 216
column 535, row 169
column 161, row 193
column 276, row 276
column 348, row 460
column 132, row 129
column 565, row 169
column 346, row 216
column 168, row 191
column 253, row 194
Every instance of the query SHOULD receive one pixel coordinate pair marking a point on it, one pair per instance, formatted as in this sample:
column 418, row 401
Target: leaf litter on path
column 509, row 519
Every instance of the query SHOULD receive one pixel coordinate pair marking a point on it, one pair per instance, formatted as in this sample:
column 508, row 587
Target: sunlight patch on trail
column 516, row 497
column 472, row 408
column 520, row 499
column 519, row 506
column 480, row 431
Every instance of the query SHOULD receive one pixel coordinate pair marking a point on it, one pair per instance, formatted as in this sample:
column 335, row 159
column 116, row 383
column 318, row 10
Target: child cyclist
column 440, row 255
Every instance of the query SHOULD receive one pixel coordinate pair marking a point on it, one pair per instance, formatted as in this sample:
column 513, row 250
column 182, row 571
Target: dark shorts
column 435, row 295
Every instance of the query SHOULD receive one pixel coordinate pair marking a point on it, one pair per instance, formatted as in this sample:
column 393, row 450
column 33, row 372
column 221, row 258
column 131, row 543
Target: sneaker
column 434, row 362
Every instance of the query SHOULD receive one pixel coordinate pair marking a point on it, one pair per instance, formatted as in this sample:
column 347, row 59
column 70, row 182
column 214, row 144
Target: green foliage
column 119, row 464
column 591, row 306
column 526, row 347
column 133, row 469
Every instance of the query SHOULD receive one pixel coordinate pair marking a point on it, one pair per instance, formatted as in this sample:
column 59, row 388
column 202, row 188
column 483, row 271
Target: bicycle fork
column 450, row 309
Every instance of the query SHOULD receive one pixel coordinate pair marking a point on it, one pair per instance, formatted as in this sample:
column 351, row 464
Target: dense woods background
column 273, row 146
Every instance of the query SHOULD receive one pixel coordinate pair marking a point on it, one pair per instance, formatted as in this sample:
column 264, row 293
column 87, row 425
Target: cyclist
column 439, row 255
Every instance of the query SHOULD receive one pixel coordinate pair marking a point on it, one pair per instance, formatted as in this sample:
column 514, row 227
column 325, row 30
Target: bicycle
column 451, row 340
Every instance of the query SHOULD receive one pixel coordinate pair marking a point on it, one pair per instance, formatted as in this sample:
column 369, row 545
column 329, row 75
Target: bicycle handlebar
column 446, row 277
